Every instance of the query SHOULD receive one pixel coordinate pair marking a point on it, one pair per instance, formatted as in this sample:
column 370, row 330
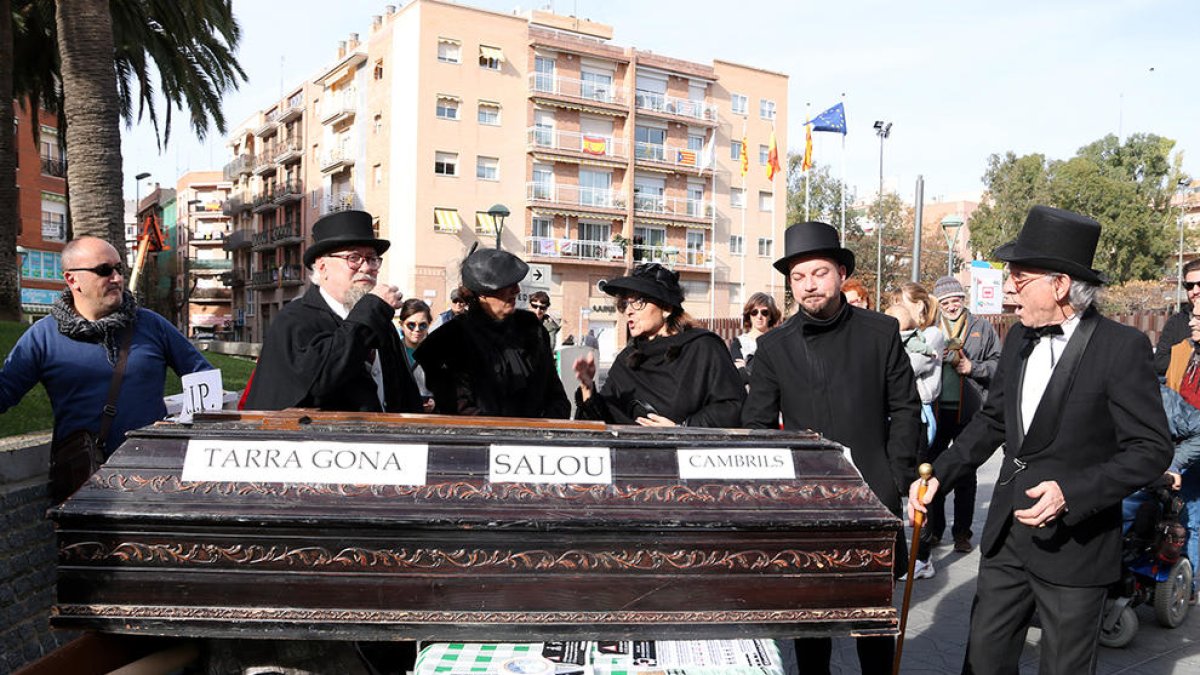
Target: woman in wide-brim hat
column 671, row 373
column 496, row 359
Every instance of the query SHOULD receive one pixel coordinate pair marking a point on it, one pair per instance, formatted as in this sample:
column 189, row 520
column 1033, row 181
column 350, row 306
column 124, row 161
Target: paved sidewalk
column 941, row 606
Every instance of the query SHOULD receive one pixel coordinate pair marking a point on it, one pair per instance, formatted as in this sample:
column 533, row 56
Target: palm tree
column 10, row 295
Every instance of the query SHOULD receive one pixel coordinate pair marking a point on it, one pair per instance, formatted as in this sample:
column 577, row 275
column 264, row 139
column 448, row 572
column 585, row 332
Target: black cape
column 477, row 366
column 311, row 358
column 687, row 377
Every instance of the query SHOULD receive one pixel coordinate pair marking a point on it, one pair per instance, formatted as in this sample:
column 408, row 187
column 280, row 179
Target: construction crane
column 150, row 240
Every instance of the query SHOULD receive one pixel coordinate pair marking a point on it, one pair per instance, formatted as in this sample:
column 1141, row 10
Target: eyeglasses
column 413, row 326
column 102, row 270
column 638, row 303
column 356, row 261
column 759, row 312
column 539, row 306
column 1021, row 278
column 1189, row 285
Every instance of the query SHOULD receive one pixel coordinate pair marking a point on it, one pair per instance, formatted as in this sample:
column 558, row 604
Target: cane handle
column 925, row 471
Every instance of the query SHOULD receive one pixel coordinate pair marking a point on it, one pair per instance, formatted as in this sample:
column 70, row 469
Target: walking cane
column 926, row 472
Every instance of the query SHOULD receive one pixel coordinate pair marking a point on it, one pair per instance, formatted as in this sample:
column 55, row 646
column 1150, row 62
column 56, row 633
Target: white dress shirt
column 1039, row 366
column 374, row 366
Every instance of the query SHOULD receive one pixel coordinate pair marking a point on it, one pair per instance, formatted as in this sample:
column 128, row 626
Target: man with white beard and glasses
column 335, row 348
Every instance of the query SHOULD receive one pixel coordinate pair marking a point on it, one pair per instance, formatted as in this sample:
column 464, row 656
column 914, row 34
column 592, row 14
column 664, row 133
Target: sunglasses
column 536, row 306
column 1189, row 285
column 103, row 270
column 759, row 312
column 637, row 303
column 424, row 325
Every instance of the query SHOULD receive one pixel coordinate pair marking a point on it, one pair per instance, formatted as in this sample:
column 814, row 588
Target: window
column 735, row 150
column 649, row 244
column 594, row 231
column 41, row 265
column 490, row 58
column 737, row 245
column 596, row 85
column 595, row 188
column 543, row 182
column 766, row 201
column 766, row 109
column 735, row 295
column 543, row 128
column 764, row 154
column 447, row 220
column 543, row 79
column 739, row 104
column 378, row 125
column 251, row 302
column 696, row 253
column 377, row 172
column 449, row 51
column 764, row 247
column 695, row 200
column 484, row 223
column 379, row 69
column 445, row 163
column 737, row 198
column 696, row 142
column 489, row 113
column 487, row 168
column 54, row 217
column 541, row 228
column 447, row 107
column 651, row 143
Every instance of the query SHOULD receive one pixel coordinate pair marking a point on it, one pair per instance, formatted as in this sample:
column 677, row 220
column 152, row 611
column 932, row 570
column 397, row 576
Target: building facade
column 203, row 275
column 604, row 156
column 41, row 209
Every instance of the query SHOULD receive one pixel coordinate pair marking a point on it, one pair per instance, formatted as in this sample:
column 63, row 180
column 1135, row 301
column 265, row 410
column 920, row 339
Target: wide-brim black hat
column 813, row 238
column 488, row 270
column 340, row 230
column 649, row 280
column 1056, row 240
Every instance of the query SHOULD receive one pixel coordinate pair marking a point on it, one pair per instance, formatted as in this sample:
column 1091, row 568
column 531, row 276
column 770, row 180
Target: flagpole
column 807, row 120
column 712, row 235
column 745, row 198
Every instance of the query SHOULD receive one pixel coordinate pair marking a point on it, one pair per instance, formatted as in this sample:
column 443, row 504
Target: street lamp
column 883, row 130
column 1181, row 188
column 186, row 310
column 951, row 225
column 498, row 212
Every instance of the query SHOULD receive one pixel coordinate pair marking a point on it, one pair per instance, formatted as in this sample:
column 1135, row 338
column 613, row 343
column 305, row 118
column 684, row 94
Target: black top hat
column 340, row 230
column 813, row 238
column 650, row 280
column 1056, row 240
column 489, row 269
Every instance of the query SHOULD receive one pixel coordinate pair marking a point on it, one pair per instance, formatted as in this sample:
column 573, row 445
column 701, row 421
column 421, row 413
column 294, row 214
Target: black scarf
column 106, row 329
column 503, row 347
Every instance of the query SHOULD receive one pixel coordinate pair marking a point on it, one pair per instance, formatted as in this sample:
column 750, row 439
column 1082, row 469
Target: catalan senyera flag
column 745, row 158
column 772, row 157
column 807, row 163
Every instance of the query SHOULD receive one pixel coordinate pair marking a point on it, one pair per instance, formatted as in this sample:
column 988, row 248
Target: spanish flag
column 595, row 145
column 745, row 158
column 772, row 157
column 807, row 163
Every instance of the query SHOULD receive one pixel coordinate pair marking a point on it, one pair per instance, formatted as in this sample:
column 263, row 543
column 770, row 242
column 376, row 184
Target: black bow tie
column 1043, row 331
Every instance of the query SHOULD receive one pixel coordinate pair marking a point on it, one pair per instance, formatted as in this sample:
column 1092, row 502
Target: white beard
column 355, row 294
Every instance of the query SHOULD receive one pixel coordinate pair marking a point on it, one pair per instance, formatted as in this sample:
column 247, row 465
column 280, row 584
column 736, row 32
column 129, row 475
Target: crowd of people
column 1070, row 398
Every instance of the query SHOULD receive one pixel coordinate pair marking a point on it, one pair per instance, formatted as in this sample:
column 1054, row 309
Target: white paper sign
column 271, row 461
column 735, row 463
column 201, row 391
column 558, row 465
column 987, row 295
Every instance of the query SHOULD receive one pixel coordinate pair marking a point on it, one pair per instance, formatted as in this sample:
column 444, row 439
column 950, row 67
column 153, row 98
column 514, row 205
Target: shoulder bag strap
column 114, row 388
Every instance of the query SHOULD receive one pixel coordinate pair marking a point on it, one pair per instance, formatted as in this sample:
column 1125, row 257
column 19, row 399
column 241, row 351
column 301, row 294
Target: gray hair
column 1082, row 295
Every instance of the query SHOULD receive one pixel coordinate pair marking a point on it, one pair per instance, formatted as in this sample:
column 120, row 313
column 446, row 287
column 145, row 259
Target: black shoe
column 962, row 544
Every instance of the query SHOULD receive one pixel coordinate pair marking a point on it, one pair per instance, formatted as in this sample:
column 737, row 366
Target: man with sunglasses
column 1176, row 329
column 1076, row 406
column 539, row 302
column 335, row 348
column 74, row 351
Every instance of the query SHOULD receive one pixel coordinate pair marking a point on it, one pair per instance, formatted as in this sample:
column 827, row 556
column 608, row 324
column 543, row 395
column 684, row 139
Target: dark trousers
column 1005, row 598
column 949, row 426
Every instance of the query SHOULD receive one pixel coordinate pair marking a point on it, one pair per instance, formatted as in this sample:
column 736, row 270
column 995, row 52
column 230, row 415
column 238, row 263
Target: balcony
column 287, row 233
column 336, row 160
column 210, row 264
column 291, row 275
column 289, row 150
column 264, row 162
column 293, row 111
column 670, row 256
column 239, row 166
column 265, row 201
column 552, row 88
column 269, row 126
column 207, row 238
column 289, row 191
column 238, row 240
column 234, row 278
column 261, row 241
column 54, row 167
column 264, row 278
column 573, row 143
column 578, row 249
column 675, row 108
column 208, row 211
column 338, row 107
column 342, row 201
column 672, row 207
column 576, row 198
column 235, row 204
column 683, row 160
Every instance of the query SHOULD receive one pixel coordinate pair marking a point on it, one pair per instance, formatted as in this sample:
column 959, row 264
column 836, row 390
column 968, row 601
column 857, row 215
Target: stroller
column 1154, row 569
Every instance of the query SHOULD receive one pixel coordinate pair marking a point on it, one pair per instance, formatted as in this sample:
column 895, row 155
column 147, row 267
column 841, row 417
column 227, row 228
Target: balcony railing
column 671, row 256
column 289, row 149
column 261, row 240
column 221, row 264
column 54, row 167
column 595, row 198
column 289, row 191
column 287, row 233
column 684, row 158
column 577, row 89
column 295, row 108
column 265, row 277
column 344, row 201
column 671, row 105
column 336, row 158
column 269, row 126
column 573, row 141
column 240, row 165
column 238, row 239
column 672, row 206
column 582, row 249
column 234, row 277
column 264, row 162
column 235, row 204
column 205, row 237
column 291, row 275
column 265, row 200
column 339, row 106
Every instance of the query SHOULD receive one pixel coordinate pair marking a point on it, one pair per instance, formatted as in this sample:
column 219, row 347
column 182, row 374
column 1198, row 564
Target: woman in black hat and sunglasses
column 496, row 359
column 671, row 373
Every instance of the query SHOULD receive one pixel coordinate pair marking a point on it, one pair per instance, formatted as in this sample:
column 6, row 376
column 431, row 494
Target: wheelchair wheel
column 1171, row 596
column 1122, row 632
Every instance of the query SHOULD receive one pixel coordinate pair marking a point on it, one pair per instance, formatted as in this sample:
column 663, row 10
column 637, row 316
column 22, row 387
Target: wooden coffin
column 470, row 549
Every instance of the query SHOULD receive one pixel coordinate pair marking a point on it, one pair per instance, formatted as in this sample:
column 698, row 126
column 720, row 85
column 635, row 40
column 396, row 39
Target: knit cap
column 948, row 287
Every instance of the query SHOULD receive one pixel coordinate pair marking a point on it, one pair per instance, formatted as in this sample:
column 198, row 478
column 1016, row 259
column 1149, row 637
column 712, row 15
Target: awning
column 494, row 53
column 484, row 223
column 447, row 220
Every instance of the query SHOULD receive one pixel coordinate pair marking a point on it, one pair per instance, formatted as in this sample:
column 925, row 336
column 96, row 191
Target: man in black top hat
column 335, row 348
column 1075, row 403
column 843, row 372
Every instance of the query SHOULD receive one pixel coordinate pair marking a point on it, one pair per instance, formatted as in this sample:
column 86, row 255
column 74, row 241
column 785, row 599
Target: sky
column 959, row 80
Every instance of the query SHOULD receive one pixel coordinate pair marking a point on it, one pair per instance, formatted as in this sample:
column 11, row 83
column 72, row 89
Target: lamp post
column 186, row 311
column 1181, row 189
column 951, row 225
column 498, row 212
column 883, row 130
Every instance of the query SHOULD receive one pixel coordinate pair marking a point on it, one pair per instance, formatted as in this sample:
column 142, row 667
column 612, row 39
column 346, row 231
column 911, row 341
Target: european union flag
column 833, row 119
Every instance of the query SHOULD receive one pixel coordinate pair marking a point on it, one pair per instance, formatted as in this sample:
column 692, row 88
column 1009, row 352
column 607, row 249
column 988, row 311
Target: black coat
column 477, row 366
column 1175, row 331
column 687, row 378
column 1099, row 431
column 848, row 379
column 311, row 358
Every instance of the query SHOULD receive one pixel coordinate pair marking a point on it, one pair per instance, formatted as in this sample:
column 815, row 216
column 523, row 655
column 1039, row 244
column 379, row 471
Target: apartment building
column 41, row 210
column 600, row 154
column 205, row 268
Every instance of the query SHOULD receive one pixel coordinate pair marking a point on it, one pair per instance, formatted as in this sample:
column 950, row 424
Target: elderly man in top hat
column 335, row 348
column 1075, row 403
column 842, row 371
